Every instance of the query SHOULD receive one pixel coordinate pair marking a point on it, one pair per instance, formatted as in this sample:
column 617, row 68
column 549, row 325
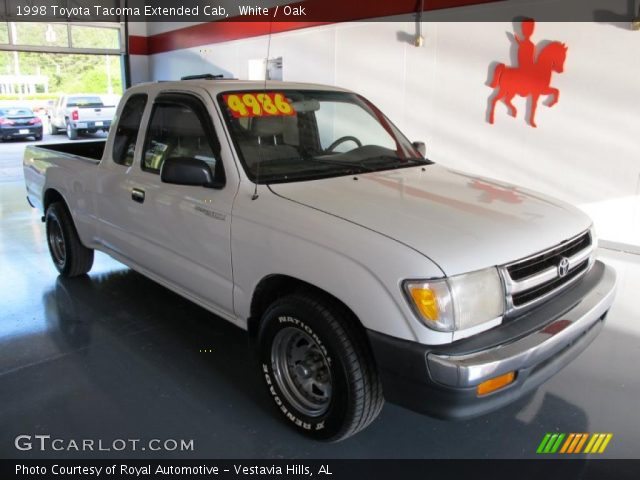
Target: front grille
column 536, row 264
column 531, row 280
column 529, row 295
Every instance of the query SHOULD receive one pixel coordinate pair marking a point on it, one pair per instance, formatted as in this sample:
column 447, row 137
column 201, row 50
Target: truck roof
column 216, row 86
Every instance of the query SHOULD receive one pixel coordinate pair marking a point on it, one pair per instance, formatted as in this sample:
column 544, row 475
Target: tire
column 69, row 256
column 72, row 133
column 37, row 138
column 307, row 338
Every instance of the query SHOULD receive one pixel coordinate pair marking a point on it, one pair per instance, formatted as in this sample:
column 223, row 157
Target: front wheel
column 70, row 257
column 318, row 367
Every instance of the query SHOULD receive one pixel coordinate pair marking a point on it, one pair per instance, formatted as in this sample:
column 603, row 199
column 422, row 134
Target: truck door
column 181, row 233
column 117, row 213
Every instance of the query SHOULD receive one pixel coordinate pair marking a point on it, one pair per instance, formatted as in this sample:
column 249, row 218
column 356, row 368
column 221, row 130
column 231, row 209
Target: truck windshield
column 295, row 135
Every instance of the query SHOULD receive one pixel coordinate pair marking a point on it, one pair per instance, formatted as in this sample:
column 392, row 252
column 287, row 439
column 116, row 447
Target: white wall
column 139, row 64
column 586, row 149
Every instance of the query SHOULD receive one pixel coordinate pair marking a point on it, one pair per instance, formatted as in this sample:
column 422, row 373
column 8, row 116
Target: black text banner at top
column 316, row 11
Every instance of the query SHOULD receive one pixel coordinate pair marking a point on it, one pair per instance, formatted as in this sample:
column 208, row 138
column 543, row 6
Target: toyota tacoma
column 362, row 270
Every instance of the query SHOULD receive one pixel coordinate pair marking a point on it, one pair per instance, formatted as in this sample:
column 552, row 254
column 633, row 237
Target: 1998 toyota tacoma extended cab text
column 363, row 271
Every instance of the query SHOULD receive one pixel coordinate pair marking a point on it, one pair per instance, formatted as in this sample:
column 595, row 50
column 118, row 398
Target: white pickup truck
column 80, row 113
column 363, row 271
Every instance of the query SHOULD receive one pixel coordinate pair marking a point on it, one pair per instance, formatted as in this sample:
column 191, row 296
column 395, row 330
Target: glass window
column 297, row 135
column 124, row 143
column 94, row 37
column 41, row 34
column 4, row 32
column 338, row 120
column 85, row 102
column 175, row 131
column 16, row 112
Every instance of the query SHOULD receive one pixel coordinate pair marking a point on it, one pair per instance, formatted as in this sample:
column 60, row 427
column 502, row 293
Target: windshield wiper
column 402, row 161
column 359, row 164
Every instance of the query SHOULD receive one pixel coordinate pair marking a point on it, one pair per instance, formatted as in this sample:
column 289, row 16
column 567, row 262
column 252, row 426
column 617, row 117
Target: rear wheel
column 69, row 256
column 72, row 133
column 318, row 367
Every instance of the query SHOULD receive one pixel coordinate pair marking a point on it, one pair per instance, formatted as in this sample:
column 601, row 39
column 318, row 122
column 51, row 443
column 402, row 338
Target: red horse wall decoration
column 532, row 76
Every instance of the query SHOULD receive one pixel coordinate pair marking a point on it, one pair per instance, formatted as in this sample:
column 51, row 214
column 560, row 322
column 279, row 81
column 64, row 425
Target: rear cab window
column 124, row 143
column 85, row 102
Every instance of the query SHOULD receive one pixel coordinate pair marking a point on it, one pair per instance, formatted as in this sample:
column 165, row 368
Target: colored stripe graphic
column 577, row 443
column 556, row 443
column 550, row 443
column 605, row 443
column 592, row 440
column 543, row 443
column 555, row 447
column 568, row 442
column 583, row 439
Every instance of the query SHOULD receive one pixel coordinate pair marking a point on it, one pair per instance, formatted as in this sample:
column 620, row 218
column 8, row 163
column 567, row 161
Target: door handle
column 137, row 195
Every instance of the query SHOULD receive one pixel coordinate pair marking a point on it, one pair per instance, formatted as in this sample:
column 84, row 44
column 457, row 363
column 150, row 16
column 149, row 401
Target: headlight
column 459, row 302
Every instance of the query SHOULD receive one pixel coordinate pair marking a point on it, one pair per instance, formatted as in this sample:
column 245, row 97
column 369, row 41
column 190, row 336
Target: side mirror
column 189, row 171
column 421, row 148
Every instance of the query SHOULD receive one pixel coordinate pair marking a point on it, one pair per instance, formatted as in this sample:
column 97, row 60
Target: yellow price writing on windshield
column 258, row 104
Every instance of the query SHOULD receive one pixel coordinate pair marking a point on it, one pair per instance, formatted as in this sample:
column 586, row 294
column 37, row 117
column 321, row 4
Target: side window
column 124, row 143
column 176, row 131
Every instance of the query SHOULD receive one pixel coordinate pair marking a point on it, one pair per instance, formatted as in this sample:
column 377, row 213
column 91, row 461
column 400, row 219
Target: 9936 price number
column 258, row 104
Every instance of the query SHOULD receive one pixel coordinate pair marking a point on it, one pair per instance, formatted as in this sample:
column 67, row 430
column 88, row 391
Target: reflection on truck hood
column 462, row 222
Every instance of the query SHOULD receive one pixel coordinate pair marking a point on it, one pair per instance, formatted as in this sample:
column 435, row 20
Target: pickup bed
column 76, row 114
column 362, row 270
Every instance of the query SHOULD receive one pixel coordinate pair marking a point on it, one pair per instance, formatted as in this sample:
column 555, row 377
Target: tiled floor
column 115, row 356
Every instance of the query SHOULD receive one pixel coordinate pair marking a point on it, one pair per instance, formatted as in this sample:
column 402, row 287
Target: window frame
column 192, row 101
column 146, row 102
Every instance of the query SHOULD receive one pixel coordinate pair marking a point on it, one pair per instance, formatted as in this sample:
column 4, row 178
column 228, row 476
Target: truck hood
column 461, row 222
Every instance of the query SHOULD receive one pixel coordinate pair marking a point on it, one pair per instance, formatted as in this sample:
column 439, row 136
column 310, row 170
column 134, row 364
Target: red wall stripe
column 138, row 45
column 326, row 11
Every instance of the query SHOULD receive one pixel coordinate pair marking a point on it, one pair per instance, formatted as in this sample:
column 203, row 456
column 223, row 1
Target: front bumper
column 441, row 380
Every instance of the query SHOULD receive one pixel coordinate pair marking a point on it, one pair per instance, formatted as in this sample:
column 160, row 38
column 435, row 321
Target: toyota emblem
column 563, row 267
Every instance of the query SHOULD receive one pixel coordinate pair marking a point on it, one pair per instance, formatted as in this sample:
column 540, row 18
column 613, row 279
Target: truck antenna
column 264, row 88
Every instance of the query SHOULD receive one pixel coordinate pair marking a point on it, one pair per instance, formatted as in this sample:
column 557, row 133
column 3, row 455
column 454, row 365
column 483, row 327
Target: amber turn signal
column 426, row 301
column 495, row 383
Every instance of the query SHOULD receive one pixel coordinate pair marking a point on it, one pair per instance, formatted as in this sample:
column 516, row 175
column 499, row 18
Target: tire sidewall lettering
column 289, row 414
column 283, row 408
column 307, row 329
